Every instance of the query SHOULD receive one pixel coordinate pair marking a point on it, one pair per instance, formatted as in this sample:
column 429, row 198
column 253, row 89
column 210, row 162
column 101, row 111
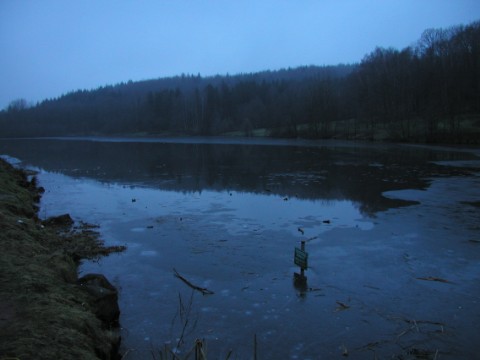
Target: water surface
column 227, row 216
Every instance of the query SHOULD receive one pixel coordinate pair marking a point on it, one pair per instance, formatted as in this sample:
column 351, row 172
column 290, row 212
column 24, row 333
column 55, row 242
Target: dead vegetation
column 204, row 291
column 44, row 313
column 434, row 278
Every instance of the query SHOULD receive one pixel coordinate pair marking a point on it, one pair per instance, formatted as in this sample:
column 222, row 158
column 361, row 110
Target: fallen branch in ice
column 422, row 353
column 204, row 291
column 341, row 306
column 414, row 327
column 433, row 278
column 424, row 322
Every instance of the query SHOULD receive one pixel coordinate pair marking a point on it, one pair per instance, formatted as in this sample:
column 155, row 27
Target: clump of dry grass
column 44, row 314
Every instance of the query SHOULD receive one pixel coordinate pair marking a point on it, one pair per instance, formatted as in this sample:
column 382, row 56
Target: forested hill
column 428, row 92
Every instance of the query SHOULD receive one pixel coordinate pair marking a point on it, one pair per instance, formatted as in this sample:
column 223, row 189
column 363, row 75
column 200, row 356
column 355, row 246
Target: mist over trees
column 428, row 92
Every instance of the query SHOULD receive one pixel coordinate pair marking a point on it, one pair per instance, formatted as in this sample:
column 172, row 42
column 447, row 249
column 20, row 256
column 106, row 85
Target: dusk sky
column 51, row 47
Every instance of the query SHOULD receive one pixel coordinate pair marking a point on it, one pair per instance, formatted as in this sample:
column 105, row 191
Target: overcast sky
column 51, row 47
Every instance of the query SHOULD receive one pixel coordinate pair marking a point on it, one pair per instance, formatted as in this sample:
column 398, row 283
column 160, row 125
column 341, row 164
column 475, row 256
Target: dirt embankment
column 46, row 312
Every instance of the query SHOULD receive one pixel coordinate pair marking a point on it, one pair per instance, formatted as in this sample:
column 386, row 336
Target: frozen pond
column 392, row 233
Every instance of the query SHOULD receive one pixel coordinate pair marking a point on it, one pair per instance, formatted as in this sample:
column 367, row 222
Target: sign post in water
column 301, row 259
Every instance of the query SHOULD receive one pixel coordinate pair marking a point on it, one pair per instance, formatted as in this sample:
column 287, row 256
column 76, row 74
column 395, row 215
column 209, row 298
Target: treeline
column 428, row 92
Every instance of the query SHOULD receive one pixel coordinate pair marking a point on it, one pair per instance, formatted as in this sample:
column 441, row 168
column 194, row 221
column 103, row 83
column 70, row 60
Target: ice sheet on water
column 148, row 253
column 10, row 159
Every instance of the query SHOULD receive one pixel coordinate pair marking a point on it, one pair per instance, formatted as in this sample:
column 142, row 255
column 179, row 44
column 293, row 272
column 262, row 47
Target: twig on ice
column 204, row 291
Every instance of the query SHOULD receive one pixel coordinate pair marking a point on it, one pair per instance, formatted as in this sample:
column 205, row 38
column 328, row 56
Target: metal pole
column 302, row 247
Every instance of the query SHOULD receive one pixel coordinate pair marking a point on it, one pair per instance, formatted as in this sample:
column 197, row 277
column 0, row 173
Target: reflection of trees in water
column 356, row 173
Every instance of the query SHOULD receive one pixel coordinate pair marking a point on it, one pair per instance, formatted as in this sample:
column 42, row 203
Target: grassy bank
column 44, row 312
